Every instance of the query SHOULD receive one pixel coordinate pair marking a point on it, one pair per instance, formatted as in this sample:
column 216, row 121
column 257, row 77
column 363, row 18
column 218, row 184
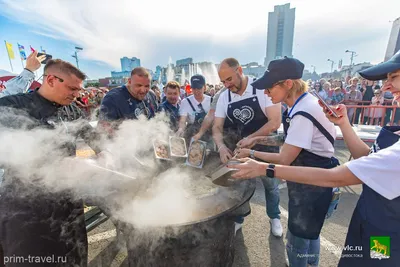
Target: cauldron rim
column 249, row 192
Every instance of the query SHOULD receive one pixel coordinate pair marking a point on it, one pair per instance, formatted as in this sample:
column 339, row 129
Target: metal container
column 156, row 146
column 173, row 142
column 205, row 241
column 190, row 161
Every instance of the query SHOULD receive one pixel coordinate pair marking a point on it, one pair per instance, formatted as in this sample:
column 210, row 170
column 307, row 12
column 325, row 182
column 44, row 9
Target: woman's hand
column 242, row 153
column 248, row 169
column 340, row 110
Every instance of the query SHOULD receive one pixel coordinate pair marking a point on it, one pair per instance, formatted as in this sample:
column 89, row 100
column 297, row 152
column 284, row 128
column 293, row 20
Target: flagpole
column 22, row 62
column 5, row 42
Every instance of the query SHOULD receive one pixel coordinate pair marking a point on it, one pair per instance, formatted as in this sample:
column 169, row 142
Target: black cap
column 197, row 81
column 380, row 71
column 279, row 70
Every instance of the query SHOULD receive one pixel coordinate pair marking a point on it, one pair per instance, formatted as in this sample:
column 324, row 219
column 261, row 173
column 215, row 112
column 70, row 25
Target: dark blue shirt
column 172, row 112
column 119, row 104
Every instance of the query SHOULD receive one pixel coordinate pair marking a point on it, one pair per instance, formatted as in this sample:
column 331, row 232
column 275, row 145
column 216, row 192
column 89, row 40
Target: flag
column 21, row 49
column 43, row 51
column 32, row 50
column 10, row 50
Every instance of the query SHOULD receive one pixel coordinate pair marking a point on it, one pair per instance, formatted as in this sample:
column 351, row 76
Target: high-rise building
column 280, row 33
column 185, row 61
column 394, row 40
column 128, row 64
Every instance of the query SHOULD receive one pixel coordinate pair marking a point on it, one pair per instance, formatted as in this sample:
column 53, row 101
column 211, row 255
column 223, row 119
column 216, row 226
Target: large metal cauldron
column 206, row 241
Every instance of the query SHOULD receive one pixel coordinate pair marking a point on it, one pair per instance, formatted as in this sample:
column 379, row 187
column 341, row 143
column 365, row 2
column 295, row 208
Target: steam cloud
column 151, row 199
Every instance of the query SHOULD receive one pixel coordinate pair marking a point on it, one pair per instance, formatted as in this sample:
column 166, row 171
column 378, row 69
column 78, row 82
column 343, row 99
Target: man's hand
column 33, row 62
column 180, row 132
column 225, row 154
column 247, row 142
column 197, row 136
column 398, row 132
column 243, row 153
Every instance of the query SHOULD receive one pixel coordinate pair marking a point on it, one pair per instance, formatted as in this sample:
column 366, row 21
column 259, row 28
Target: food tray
column 173, row 141
column 191, row 160
column 156, row 145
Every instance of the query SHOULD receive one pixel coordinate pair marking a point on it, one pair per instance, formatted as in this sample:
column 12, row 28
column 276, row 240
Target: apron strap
column 229, row 96
column 317, row 124
column 254, row 91
column 190, row 103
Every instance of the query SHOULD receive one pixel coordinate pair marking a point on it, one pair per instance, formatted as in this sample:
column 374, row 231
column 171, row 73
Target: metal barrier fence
column 367, row 114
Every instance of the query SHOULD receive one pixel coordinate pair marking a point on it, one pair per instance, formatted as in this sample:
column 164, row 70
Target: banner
column 10, row 50
column 21, row 49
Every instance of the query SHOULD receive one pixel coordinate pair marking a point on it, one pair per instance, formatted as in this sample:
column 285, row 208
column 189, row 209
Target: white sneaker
column 238, row 226
column 287, row 261
column 276, row 227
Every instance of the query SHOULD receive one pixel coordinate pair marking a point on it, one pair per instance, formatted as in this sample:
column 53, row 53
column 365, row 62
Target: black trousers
column 42, row 232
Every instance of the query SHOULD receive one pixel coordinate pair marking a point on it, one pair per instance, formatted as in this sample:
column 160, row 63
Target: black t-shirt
column 28, row 111
column 119, row 104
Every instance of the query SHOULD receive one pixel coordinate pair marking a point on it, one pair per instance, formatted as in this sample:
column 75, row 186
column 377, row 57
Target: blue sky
column 218, row 29
column 14, row 32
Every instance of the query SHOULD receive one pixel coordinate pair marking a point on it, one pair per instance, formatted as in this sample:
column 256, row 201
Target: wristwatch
column 252, row 154
column 270, row 172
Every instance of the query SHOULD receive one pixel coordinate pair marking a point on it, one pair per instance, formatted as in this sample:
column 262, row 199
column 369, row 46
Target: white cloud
column 109, row 30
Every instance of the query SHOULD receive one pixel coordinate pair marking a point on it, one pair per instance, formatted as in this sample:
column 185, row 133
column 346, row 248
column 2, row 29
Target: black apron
column 309, row 204
column 244, row 117
column 194, row 128
column 374, row 216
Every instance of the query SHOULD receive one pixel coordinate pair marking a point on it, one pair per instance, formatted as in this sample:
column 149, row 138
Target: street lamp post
column 332, row 63
column 75, row 55
column 312, row 66
column 353, row 54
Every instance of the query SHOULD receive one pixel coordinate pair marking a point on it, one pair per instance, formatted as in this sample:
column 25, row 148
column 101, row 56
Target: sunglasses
column 60, row 79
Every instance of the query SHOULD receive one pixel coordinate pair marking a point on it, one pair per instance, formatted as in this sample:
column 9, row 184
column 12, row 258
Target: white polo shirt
column 302, row 132
column 186, row 109
column 223, row 101
column 380, row 171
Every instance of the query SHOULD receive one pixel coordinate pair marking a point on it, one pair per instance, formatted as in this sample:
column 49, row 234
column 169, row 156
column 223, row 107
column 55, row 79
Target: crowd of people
column 238, row 118
column 357, row 91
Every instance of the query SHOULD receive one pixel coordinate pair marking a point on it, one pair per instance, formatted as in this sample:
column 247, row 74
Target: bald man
column 242, row 113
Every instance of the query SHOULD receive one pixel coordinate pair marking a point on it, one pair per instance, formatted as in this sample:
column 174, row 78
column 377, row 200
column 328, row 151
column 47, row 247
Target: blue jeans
column 302, row 251
column 271, row 196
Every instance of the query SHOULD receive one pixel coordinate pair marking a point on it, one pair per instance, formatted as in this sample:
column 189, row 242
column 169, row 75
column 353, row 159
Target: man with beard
column 129, row 101
column 242, row 113
column 33, row 221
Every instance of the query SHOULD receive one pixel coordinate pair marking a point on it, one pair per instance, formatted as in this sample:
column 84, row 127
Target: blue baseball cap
column 280, row 70
column 380, row 71
column 197, row 81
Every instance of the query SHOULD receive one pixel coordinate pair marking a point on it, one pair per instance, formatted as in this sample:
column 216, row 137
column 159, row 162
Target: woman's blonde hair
column 299, row 86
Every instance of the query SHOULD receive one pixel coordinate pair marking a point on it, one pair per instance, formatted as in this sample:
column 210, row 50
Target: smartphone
column 315, row 93
column 48, row 57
